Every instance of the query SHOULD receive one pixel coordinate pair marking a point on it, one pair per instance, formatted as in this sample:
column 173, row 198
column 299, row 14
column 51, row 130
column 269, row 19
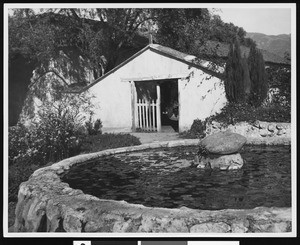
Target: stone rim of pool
column 47, row 204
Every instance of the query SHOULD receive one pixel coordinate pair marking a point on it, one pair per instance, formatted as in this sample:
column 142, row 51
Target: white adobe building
column 136, row 94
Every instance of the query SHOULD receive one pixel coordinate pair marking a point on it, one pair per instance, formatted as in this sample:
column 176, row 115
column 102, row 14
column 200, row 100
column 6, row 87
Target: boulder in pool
column 224, row 162
column 223, row 143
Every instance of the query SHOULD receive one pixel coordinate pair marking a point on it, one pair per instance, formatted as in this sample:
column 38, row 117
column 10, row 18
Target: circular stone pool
column 46, row 203
column 168, row 178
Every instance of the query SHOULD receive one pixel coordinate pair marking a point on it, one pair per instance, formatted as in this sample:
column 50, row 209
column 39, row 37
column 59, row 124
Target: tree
column 259, row 83
column 235, row 74
column 225, row 32
column 66, row 42
column 182, row 29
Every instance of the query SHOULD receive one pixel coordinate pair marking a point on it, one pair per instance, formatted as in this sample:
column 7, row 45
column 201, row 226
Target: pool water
column 167, row 178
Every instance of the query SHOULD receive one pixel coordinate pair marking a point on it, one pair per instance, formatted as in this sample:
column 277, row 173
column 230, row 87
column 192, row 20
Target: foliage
column 197, row 130
column 18, row 173
column 259, row 83
column 246, row 80
column 95, row 128
column 226, row 32
column 51, row 139
column 235, row 70
column 99, row 142
column 279, row 78
column 182, row 29
column 242, row 112
column 54, row 130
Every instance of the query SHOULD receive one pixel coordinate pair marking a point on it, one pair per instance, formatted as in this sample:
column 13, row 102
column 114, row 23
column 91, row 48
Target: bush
column 19, row 172
column 197, row 130
column 240, row 112
column 50, row 139
column 95, row 128
column 18, row 137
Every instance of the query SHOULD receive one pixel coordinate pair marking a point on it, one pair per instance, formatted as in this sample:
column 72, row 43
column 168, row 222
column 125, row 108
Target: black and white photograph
column 149, row 120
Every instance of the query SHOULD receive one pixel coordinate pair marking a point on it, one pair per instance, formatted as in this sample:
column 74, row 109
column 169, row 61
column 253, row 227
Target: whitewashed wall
column 198, row 97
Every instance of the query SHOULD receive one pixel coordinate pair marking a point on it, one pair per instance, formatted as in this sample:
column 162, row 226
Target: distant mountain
column 277, row 44
column 214, row 49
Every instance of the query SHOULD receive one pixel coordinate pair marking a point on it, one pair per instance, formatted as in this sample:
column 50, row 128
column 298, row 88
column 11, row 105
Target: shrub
column 279, row 79
column 240, row 112
column 18, row 137
column 19, row 172
column 50, row 139
column 197, row 130
column 93, row 129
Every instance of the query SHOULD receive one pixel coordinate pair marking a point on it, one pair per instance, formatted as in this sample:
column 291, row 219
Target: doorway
column 155, row 104
column 169, row 103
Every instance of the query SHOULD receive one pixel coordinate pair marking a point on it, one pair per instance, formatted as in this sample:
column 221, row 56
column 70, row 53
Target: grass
column 101, row 142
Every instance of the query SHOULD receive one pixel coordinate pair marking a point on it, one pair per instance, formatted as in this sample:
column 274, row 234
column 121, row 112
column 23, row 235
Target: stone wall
column 268, row 133
column 46, row 204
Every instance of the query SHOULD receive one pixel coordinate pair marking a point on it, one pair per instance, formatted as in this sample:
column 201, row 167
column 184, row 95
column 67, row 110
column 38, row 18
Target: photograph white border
column 151, row 235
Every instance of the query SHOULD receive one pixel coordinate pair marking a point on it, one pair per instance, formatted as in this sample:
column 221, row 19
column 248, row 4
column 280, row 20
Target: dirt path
column 167, row 134
column 155, row 137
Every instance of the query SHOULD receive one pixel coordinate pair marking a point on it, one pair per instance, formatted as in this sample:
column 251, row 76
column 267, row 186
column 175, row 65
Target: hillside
column 221, row 50
column 277, row 44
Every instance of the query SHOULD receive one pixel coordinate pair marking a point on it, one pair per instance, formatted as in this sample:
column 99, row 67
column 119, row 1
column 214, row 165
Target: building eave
column 153, row 48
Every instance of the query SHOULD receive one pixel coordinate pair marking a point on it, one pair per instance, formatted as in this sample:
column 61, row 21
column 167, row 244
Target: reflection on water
column 167, row 178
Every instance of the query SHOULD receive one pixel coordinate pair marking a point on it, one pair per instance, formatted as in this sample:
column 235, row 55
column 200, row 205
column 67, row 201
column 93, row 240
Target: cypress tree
column 234, row 82
column 257, row 73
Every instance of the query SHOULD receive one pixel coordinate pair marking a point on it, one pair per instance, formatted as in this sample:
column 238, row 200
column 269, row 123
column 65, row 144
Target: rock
column 263, row 125
column 219, row 227
column 281, row 132
column 216, row 125
column 271, row 227
column 271, row 128
column 224, row 162
column 240, row 226
column 279, row 126
column 256, row 124
column 223, row 143
column 263, row 132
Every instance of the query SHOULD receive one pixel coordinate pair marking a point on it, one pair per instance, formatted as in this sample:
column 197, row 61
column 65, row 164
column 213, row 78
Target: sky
column 270, row 21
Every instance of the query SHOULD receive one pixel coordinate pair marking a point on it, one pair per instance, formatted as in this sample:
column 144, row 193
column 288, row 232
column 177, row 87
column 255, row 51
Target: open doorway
column 169, row 103
column 156, row 105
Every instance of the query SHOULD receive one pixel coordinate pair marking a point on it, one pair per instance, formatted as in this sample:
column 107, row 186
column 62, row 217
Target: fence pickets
column 147, row 115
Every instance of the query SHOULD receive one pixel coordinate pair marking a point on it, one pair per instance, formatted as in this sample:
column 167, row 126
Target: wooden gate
column 146, row 114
